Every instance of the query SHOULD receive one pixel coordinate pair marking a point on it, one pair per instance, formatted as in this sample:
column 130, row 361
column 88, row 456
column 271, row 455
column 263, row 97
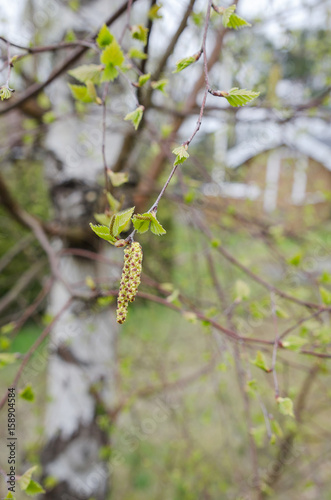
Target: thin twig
column 34, row 347
column 276, row 342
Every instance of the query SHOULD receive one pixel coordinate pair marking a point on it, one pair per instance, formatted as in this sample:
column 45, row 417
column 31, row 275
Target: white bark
column 82, row 346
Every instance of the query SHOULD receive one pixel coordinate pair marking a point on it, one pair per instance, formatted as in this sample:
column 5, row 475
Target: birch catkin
column 130, row 280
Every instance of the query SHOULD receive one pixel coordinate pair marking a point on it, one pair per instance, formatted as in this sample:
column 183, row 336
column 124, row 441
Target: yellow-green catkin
column 130, row 280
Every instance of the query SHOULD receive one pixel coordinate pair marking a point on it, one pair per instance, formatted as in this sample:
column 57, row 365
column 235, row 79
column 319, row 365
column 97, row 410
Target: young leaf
column 121, row 221
column 102, row 232
column 232, row 20
column 112, row 55
column 181, row 155
column 143, row 79
column 9, row 496
column 227, row 13
column 80, row 92
column 109, row 74
column 135, row 53
column 48, row 117
column 5, row 92
column 295, row 260
column 91, row 72
column 139, row 32
column 242, row 290
column 118, row 178
column 142, row 222
column 185, row 62
column 141, row 225
column 153, row 12
column 260, row 362
column 285, row 406
column 113, row 203
column 104, row 37
column 135, row 116
column 7, row 358
column 156, row 227
column 325, row 296
column 236, row 22
column 294, row 343
column 25, row 479
column 103, row 219
column 27, row 394
column 160, row 85
column 259, row 434
column 240, row 97
column 34, row 488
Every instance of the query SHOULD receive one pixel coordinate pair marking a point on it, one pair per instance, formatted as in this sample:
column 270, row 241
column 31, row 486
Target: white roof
column 307, row 136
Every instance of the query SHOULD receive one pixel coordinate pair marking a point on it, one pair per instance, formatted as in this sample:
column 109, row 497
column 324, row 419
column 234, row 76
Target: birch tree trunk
column 83, row 356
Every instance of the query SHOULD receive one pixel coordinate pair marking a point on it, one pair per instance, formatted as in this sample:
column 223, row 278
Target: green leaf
column 240, row 97
column 5, row 93
column 325, row 296
column 135, row 53
column 142, row 222
column 34, row 488
column 102, row 219
column 7, row 358
column 295, row 260
column 227, row 13
column 80, row 92
column 260, row 362
column 104, row 37
column 191, row 317
column 143, row 79
column 87, row 72
column 109, row 74
column 121, row 221
column 102, row 232
column 259, row 434
column 294, row 343
column 113, row 203
column 325, row 277
column 141, row 225
column 25, row 479
column 281, row 313
column 48, row 117
column 156, row 227
column 153, row 12
column 7, row 328
column 160, row 85
column 9, row 496
column 232, row 20
column 27, row 394
column 276, row 428
column 215, row 243
column 242, row 290
column 118, row 178
column 285, row 406
column 112, row 55
column 181, row 154
column 185, row 62
column 135, row 116
column 139, row 32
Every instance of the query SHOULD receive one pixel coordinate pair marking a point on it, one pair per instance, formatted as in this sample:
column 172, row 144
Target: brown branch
column 229, row 256
column 151, row 390
column 286, row 445
column 33, row 348
column 21, row 284
column 34, row 89
column 15, row 250
column 146, row 185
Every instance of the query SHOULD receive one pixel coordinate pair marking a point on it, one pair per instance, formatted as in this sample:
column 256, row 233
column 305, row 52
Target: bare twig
column 33, row 348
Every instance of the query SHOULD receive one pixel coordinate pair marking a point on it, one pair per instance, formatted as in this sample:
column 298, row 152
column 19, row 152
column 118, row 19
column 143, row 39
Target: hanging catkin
column 130, row 280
